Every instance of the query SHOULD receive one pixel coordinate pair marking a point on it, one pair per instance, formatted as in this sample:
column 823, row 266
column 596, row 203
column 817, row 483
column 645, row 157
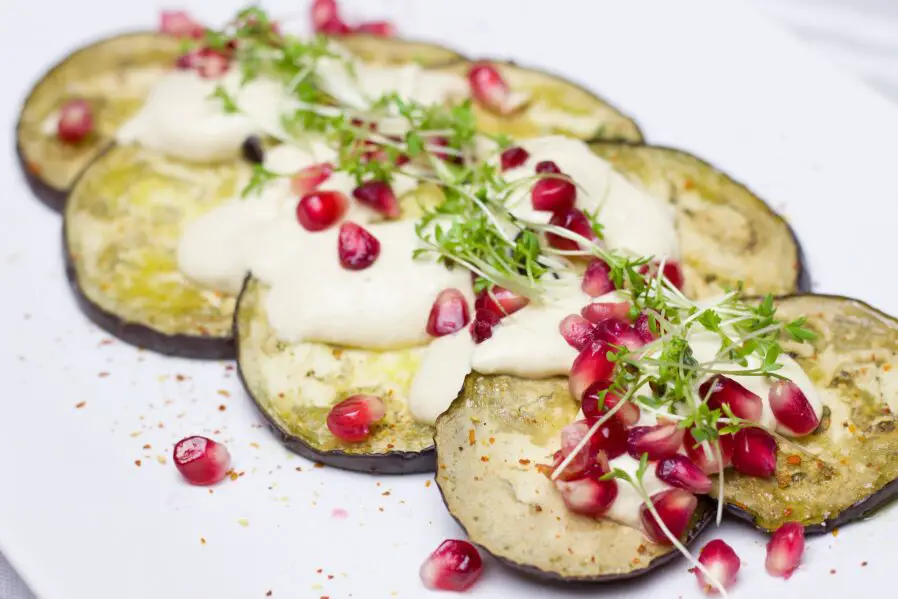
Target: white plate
column 80, row 520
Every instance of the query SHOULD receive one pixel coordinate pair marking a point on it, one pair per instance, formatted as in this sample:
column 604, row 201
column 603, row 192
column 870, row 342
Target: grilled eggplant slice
column 488, row 445
column 295, row 385
column 396, row 51
column 556, row 105
column 113, row 75
column 123, row 221
column 854, row 366
column 727, row 234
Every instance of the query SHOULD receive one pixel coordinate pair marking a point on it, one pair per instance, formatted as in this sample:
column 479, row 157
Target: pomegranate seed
column 378, row 28
column 326, row 18
column 310, row 178
column 659, row 441
column 500, row 301
column 611, row 438
column 513, row 157
column 490, row 89
column 351, row 419
column 454, row 566
column 791, row 408
column 76, row 121
column 785, row 549
column 678, row 471
column 448, row 314
column 615, row 332
column 627, row 415
column 707, row 461
column 672, row 272
column 180, row 24
column 357, row 248
column 205, row 61
column 482, row 327
column 575, row 221
column 571, row 435
column 438, row 141
column 588, row 496
column 675, row 506
column 644, row 328
column 597, row 279
column 319, row 210
column 577, row 331
column 201, row 461
column 590, row 366
column 544, row 167
column 553, row 195
column 721, row 561
column 725, row 391
column 379, row 196
column 754, row 452
column 600, row 311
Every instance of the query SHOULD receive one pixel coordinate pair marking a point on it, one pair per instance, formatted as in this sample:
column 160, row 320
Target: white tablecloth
column 861, row 35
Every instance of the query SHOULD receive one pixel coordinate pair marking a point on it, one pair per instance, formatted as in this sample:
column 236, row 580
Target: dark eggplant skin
column 49, row 196
column 392, row 462
column 182, row 346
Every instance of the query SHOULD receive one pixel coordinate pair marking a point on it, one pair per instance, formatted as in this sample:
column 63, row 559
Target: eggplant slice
column 488, row 445
column 122, row 224
column 114, row 75
column 727, row 234
column 555, row 106
column 854, row 366
column 395, row 51
column 295, row 385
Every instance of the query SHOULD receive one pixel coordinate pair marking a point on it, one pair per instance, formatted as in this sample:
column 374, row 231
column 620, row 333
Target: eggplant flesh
column 122, row 225
column 727, row 234
column 114, row 76
column 392, row 51
column 295, row 385
column 489, row 444
column 848, row 467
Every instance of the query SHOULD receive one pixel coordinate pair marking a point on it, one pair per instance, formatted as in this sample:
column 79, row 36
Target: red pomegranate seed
column 310, row 178
column 721, row 561
column 351, row 419
column 76, row 121
column 597, row 279
column 514, row 157
column 500, row 301
column 785, row 549
column 547, row 167
column 678, row 471
column 628, row 415
column 180, row 24
column 482, row 327
column 201, row 461
column 357, row 248
column 754, row 452
column 708, row 461
column 721, row 390
column 378, row 28
column 791, row 408
column 644, row 328
column 490, row 89
column 587, row 496
column 319, row 210
column 326, row 18
column 659, row 441
column 553, row 195
column 577, row 331
column 672, row 272
column 590, row 366
column 675, row 506
column 615, row 332
column 611, row 438
column 601, row 311
column 575, row 221
column 379, row 196
column 454, row 566
column 448, row 314
column 571, row 435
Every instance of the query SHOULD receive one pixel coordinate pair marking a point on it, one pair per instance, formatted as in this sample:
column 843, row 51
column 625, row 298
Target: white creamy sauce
column 627, row 508
column 440, row 376
column 634, row 220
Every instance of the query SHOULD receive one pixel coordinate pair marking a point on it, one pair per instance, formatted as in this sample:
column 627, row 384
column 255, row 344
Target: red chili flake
column 688, row 184
column 386, row 493
column 223, row 393
column 492, row 440
column 863, row 564
column 794, row 460
column 229, row 367
column 471, row 437
column 254, row 445
column 103, row 375
column 380, row 509
column 484, row 458
column 787, row 512
column 137, row 463
column 319, row 465
column 330, row 576
column 106, row 342
column 222, row 408
column 427, row 483
column 148, row 446
column 299, row 468
column 180, row 378
column 836, row 531
column 202, row 540
column 268, row 594
column 319, row 571
column 80, row 404
column 524, row 462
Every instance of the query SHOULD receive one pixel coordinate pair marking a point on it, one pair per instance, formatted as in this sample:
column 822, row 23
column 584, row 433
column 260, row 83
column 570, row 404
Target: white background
column 80, row 520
